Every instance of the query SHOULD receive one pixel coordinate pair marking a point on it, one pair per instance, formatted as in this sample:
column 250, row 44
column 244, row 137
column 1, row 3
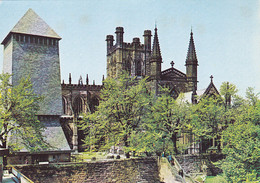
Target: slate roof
column 32, row 24
column 54, row 136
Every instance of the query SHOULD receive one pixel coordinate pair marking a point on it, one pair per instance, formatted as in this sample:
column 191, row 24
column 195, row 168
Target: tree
column 242, row 142
column 168, row 117
column 207, row 118
column 18, row 109
column 120, row 113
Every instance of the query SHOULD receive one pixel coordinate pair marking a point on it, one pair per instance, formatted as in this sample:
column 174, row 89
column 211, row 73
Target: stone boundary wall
column 194, row 163
column 144, row 170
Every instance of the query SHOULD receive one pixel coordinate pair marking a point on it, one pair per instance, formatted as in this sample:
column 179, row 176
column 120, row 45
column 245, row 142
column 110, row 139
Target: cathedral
column 145, row 60
column 32, row 47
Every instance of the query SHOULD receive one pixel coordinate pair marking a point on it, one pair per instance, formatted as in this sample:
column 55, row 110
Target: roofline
column 208, row 88
column 11, row 32
column 173, row 69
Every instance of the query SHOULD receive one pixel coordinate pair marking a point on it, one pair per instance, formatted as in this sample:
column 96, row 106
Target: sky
column 226, row 34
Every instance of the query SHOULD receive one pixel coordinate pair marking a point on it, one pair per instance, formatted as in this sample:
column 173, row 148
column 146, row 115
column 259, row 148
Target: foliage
column 242, row 143
column 167, row 117
column 18, row 120
column 214, row 179
column 207, row 117
column 130, row 115
column 119, row 115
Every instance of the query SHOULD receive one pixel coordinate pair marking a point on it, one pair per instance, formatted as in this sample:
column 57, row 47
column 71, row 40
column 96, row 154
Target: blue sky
column 226, row 34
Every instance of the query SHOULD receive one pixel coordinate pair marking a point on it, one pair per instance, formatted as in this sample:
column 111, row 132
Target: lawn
column 215, row 179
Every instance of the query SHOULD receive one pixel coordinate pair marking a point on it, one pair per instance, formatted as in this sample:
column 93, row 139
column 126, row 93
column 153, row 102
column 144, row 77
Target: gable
column 171, row 74
column 211, row 90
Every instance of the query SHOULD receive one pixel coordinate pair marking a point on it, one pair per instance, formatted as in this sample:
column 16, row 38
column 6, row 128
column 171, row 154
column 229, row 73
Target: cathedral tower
column 191, row 65
column 32, row 49
column 130, row 57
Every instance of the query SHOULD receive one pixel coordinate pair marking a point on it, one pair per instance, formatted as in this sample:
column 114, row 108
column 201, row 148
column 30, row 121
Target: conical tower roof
column 191, row 55
column 32, row 24
column 156, row 52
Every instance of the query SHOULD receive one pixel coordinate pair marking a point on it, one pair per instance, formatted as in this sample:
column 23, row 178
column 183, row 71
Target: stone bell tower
column 31, row 49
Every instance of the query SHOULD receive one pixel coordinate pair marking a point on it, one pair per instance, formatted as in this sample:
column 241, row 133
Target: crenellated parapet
column 81, row 97
column 131, row 57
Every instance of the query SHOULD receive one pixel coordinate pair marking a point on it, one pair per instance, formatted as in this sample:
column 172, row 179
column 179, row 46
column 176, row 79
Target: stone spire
column 191, row 65
column 156, row 58
column 191, row 55
column 156, row 52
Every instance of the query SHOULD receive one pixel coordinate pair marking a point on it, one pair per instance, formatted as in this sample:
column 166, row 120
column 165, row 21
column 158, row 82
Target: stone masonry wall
column 143, row 170
column 194, row 163
column 41, row 62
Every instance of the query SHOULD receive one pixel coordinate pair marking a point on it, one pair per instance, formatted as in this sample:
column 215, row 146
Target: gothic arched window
column 138, row 68
column 78, row 105
column 128, row 65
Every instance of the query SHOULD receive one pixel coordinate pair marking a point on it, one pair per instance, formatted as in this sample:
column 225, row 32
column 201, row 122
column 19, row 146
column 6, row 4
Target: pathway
column 166, row 173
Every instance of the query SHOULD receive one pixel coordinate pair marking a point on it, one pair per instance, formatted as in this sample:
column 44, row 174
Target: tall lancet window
column 78, row 105
column 138, row 68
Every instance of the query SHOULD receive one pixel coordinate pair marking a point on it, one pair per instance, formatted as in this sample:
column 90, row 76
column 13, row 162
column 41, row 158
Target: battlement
column 81, row 87
column 135, row 44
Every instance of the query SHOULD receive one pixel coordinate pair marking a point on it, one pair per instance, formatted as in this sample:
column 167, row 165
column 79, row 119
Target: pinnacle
column 191, row 55
column 156, row 52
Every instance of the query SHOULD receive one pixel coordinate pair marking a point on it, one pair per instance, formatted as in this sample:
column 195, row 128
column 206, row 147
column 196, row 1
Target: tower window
column 17, row 37
column 32, row 40
column 138, row 68
column 45, row 41
column 40, row 40
column 26, row 39
column 22, row 38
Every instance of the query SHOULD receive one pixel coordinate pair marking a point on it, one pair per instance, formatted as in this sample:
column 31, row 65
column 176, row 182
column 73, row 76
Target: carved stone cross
column 211, row 78
column 172, row 63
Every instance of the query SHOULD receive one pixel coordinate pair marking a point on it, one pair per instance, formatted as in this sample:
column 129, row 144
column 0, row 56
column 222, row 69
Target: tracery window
column 78, row 105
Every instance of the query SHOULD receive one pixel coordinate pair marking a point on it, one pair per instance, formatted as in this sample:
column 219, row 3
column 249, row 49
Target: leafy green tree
column 242, row 143
column 119, row 115
column 18, row 109
column 242, row 149
column 228, row 91
column 168, row 116
column 207, row 118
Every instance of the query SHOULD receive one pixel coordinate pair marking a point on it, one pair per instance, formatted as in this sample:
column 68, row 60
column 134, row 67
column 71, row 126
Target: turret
column 119, row 36
column 136, row 41
column 110, row 42
column 147, row 40
column 191, row 65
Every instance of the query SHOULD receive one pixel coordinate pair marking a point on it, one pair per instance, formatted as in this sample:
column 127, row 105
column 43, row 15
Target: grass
column 215, row 179
column 86, row 156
